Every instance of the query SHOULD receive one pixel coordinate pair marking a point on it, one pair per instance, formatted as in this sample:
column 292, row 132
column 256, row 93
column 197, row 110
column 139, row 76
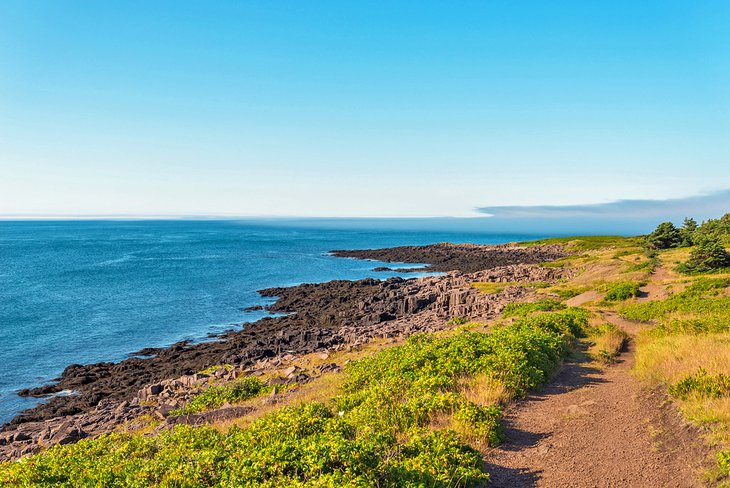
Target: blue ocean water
column 89, row 291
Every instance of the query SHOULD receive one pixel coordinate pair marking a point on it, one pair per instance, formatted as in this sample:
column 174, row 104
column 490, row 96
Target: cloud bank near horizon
column 701, row 206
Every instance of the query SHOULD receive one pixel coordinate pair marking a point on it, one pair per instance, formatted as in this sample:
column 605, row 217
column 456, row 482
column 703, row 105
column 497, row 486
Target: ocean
column 90, row 291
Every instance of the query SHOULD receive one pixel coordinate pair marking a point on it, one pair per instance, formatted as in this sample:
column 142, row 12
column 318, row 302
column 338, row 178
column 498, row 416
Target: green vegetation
column 708, row 239
column 622, row 290
column 492, row 287
column 566, row 291
column 707, row 255
column 524, row 309
column 456, row 321
column 649, row 265
column 587, row 243
column 717, row 228
column 701, row 384
column 665, row 236
column 699, row 305
column 233, row 392
column 302, row 446
column 405, row 417
column 211, row 370
column 723, row 462
column 559, row 263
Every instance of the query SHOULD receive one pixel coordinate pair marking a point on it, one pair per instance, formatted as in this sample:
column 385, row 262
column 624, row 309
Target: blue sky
column 359, row 108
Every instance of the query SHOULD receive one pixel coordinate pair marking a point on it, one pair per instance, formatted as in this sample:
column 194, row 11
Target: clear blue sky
column 359, row 108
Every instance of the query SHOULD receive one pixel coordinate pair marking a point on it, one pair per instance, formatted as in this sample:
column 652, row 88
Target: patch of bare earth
column 597, row 426
column 583, row 298
column 656, row 288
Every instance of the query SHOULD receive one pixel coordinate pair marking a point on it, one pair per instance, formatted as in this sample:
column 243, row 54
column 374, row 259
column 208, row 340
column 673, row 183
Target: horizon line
column 70, row 217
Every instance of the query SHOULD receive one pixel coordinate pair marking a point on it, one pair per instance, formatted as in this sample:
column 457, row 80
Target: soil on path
column 656, row 288
column 598, row 426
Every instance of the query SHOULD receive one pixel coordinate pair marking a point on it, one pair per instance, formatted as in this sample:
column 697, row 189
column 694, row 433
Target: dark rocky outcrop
column 468, row 258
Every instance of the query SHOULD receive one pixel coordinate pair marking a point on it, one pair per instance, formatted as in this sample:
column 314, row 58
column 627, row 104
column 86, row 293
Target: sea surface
column 90, row 291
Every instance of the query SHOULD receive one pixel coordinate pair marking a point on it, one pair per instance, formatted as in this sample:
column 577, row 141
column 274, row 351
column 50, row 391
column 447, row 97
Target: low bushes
column 622, row 290
column 215, row 396
column 402, row 419
column 701, row 384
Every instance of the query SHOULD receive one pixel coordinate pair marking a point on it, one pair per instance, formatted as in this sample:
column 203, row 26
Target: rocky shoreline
column 467, row 258
column 318, row 318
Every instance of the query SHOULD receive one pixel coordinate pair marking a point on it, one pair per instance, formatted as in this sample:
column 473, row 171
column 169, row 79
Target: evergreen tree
column 709, row 254
column 665, row 236
column 689, row 226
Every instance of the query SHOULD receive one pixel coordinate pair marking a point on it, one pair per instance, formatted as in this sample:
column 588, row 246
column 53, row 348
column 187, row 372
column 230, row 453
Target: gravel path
column 597, row 427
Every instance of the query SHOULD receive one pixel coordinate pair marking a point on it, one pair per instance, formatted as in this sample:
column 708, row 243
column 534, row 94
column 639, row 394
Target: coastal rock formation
column 468, row 258
column 318, row 317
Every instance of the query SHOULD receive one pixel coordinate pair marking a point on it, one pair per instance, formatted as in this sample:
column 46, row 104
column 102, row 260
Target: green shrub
column 458, row 321
column 622, row 290
column 569, row 323
column 723, row 462
column 566, row 293
column 524, row 309
column 703, row 285
column 215, row 396
column 701, row 384
column 708, row 255
column 480, row 422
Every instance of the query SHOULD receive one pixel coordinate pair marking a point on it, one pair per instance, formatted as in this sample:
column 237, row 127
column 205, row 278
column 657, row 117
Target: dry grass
column 608, row 343
column 492, row 287
column 669, row 359
column 483, row 390
column 671, row 257
column 480, row 389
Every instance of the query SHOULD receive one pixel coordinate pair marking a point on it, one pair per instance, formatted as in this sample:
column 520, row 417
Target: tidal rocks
column 254, row 308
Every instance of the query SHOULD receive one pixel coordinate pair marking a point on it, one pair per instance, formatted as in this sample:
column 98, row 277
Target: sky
column 354, row 109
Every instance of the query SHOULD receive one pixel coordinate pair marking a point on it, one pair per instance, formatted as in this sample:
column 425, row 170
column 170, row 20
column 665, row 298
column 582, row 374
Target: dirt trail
column 656, row 288
column 583, row 298
column 597, row 426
